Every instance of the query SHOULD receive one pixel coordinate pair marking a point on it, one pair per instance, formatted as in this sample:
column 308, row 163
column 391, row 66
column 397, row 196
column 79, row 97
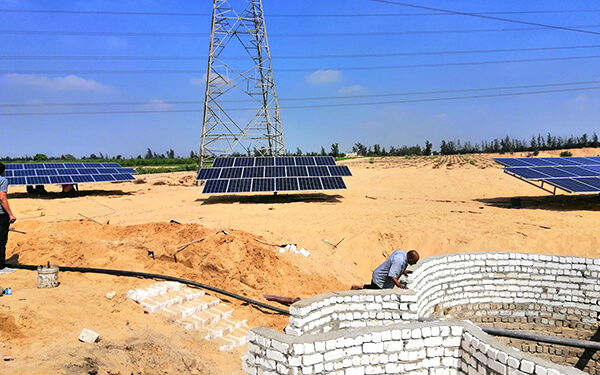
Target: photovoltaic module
column 273, row 174
column 572, row 174
column 66, row 173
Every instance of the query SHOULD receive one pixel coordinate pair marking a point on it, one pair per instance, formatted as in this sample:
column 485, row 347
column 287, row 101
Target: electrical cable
column 124, row 13
column 156, row 276
column 292, row 70
column 486, row 17
column 366, row 55
column 186, row 102
column 306, row 35
column 300, row 106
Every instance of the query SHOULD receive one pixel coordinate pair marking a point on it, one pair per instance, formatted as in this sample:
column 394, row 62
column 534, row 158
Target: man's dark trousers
column 4, row 225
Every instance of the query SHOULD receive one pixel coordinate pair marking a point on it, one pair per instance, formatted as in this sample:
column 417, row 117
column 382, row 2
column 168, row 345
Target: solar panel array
column 272, row 174
column 573, row 174
column 66, row 173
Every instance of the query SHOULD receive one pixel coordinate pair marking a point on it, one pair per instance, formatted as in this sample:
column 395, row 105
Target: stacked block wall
column 557, row 295
column 508, row 290
column 333, row 311
column 432, row 348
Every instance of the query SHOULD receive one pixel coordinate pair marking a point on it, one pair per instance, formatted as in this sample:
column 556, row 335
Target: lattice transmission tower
column 241, row 111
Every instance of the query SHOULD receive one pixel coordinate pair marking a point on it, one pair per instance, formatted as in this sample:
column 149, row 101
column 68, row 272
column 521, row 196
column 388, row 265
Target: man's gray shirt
column 394, row 266
column 4, row 189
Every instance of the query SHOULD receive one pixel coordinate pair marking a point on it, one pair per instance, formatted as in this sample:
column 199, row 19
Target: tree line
column 453, row 147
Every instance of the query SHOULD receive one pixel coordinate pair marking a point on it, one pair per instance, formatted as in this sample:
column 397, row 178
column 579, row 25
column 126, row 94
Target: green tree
column 335, row 150
column 68, row 157
column 427, row 150
column 170, row 154
column 40, row 157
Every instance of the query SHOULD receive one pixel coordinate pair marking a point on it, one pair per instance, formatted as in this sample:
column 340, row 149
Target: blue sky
column 418, row 51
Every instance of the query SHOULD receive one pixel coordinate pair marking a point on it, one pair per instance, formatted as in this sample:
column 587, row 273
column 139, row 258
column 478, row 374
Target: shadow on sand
column 75, row 194
column 587, row 202
column 271, row 199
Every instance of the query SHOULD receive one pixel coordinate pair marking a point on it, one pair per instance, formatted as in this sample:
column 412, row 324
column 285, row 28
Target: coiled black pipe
column 156, row 276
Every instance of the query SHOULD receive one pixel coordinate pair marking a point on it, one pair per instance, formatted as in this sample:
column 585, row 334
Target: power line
column 306, row 35
column 178, row 14
column 486, row 16
column 185, row 102
column 302, row 106
column 292, row 70
column 305, row 57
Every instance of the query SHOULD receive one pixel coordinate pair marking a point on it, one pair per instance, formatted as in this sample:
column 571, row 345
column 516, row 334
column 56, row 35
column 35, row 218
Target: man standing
column 387, row 274
column 6, row 216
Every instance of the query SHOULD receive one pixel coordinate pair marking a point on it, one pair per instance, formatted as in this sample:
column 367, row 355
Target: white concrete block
column 89, row 336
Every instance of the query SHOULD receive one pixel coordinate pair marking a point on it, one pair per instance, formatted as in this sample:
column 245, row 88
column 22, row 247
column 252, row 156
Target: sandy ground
column 436, row 205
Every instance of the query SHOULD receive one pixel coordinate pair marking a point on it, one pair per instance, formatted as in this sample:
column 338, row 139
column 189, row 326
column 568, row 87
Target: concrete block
column 89, row 336
column 375, row 347
column 311, row 359
column 527, row 366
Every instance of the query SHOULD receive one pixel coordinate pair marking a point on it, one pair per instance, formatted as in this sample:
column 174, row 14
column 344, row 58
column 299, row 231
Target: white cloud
column 68, row 83
column 202, row 81
column 352, row 89
column 157, row 104
column 325, row 76
column 116, row 43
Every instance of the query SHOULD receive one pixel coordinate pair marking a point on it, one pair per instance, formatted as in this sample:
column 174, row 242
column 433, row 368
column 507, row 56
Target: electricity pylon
column 241, row 112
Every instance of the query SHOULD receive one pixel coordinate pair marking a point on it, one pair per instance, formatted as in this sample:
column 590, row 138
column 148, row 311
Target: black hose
column 541, row 338
column 156, row 276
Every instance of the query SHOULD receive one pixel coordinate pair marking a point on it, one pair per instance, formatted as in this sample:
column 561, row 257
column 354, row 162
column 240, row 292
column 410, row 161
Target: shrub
column 566, row 153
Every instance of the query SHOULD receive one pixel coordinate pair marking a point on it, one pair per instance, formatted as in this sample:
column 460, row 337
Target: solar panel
column 296, row 171
column 339, row 170
column 223, row 162
column 208, row 173
column 541, row 162
column 527, row 173
column 318, row 171
column 275, row 172
column 103, row 177
column 243, row 162
column 592, row 181
column 333, row 183
column 310, row 183
column 305, row 160
column 16, row 181
column 553, row 172
column 239, row 185
column 46, row 172
column 264, row 161
column 253, row 172
column 66, row 173
column 272, row 174
column 21, row 172
column 123, row 177
column 286, row 160
column 286, row 184
column 579, row 171
column 215, row 186
column 324, row 160
column 37, row 180
column 231, row 173
column 82, row 178
column 263, row 184
column 572, row 185
column 61, row 179
column 573, row 174
column 107, row 170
